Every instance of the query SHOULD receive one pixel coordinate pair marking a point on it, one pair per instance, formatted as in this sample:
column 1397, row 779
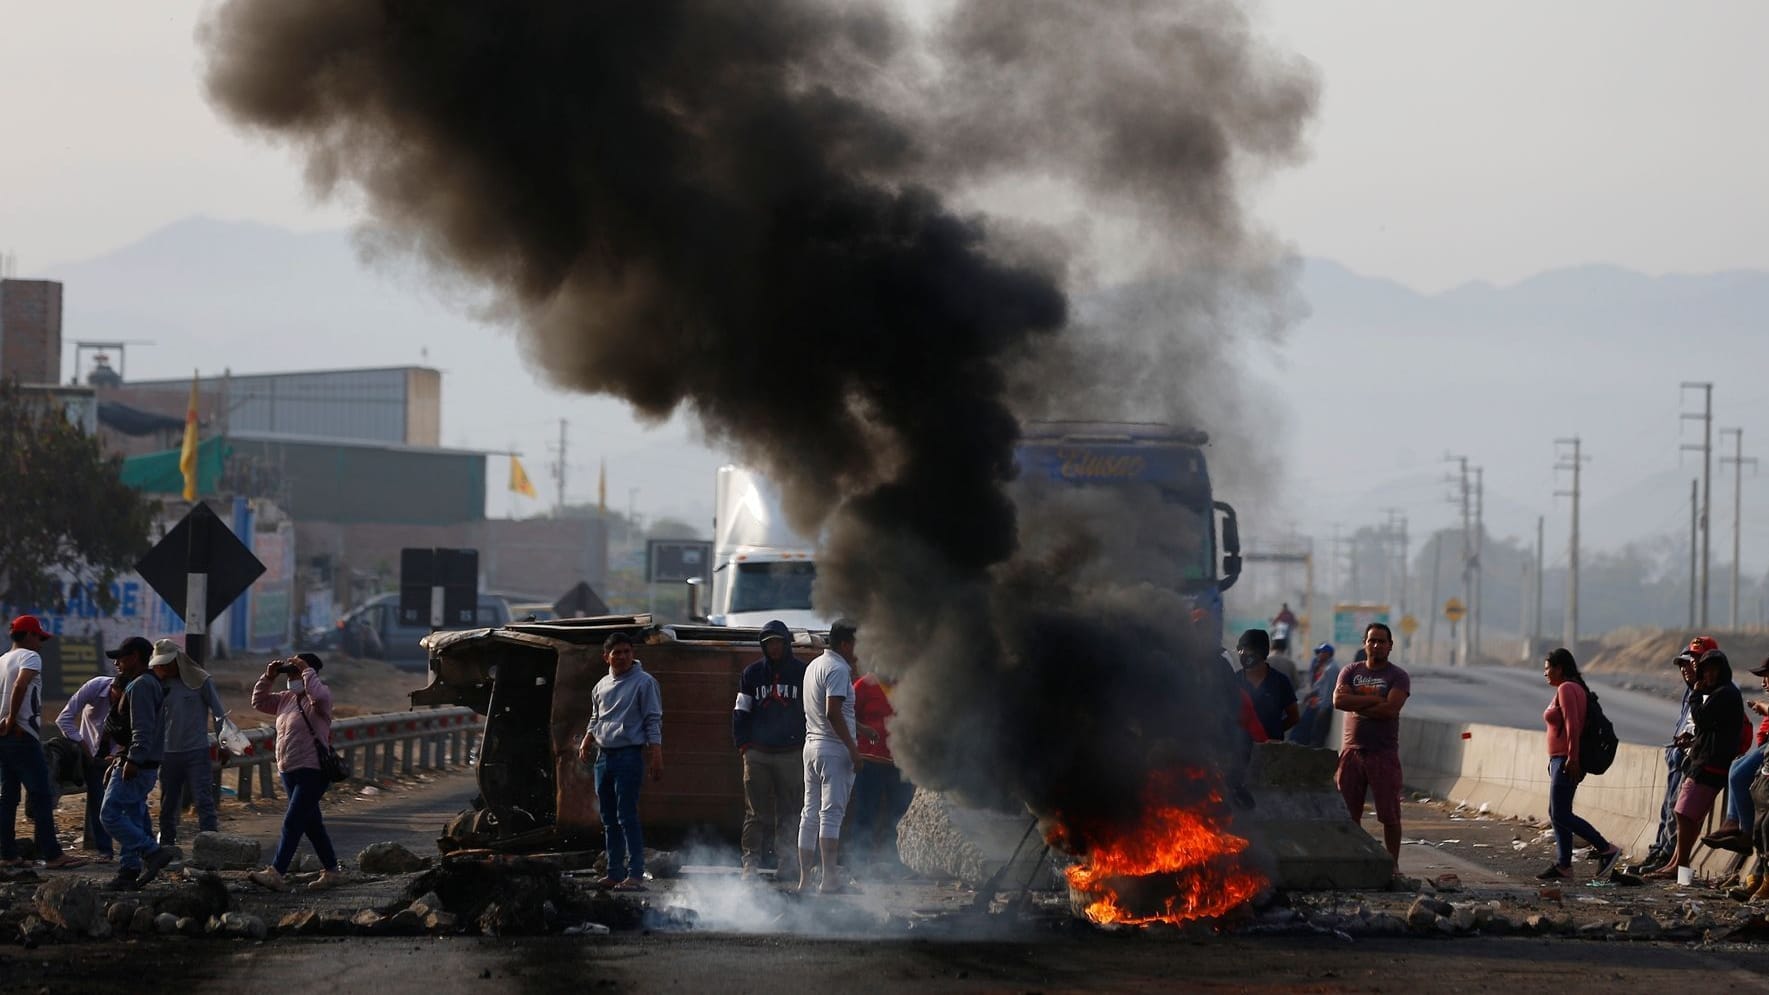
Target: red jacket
column 872, row 706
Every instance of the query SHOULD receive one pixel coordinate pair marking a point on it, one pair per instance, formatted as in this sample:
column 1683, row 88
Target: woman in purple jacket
column 303, row 720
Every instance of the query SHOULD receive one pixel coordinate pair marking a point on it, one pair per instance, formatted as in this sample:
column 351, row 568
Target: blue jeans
column 97, row 840
column 125, row 814
column 305, row 785
column 619, row 773
column 186, row 767
column 1560, row 813
column 22, row 766
column 1739, row 807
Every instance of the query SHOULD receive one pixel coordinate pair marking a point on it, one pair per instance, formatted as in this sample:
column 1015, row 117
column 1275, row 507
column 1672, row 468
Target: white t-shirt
column 30, row 711
column 828, row 676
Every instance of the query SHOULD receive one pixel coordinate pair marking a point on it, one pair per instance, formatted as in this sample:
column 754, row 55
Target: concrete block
column 222, row 852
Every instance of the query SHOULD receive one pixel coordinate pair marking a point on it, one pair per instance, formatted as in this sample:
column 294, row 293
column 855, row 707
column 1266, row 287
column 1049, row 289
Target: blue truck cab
column 1164, row 476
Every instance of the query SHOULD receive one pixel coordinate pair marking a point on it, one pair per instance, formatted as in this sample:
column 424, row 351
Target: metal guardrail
column 373, row 746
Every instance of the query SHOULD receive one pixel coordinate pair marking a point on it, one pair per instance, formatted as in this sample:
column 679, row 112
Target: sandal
column 66, row 861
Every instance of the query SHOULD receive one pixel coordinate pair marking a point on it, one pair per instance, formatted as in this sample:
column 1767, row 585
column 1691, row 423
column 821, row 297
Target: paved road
column 1515, row 697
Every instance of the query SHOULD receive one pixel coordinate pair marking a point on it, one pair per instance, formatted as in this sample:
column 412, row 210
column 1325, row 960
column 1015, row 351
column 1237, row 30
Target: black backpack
column 1597, row 744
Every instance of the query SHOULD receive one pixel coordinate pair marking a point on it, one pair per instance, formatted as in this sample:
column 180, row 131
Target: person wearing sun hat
column 22, row 765
column 192, row 707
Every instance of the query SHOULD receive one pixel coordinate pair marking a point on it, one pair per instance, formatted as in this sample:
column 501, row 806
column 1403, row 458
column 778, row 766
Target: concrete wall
column 1507, row 770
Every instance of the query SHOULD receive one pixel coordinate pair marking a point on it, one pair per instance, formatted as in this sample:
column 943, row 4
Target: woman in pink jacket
column 1565, row 717
column 303, row 720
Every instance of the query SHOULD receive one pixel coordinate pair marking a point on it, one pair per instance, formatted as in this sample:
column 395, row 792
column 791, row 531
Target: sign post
column 199, row 568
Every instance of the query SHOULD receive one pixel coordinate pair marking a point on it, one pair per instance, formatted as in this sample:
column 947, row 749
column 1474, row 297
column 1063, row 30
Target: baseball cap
column 1703, row 644
column 1324, row 648
column 134, row 644
column 29, row 624
column 1761, row 669
column 1682, row 658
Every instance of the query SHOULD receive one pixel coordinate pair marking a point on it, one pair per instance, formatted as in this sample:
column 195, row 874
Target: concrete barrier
column 1507, row 771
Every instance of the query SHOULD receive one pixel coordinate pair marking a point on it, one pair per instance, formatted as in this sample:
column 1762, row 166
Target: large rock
column 389, row 858
column 72, row 904
column 941, row 839
column 222, row 852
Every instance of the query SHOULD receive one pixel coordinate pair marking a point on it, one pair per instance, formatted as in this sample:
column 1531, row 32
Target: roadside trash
column 587, row 929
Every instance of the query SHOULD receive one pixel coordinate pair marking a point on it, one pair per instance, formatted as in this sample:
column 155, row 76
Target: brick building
column 30, row 330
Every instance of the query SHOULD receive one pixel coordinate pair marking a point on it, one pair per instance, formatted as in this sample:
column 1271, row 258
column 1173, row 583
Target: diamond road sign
column 231, row 566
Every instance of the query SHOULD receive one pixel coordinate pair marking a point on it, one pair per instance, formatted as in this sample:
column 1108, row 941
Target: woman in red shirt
column 1565, row 717
column 881, row 795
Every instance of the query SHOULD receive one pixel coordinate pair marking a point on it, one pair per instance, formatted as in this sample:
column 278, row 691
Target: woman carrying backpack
column 1565, row 718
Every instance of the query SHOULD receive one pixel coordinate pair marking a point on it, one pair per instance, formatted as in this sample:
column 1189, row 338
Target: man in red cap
column 21, row 748
column 1664, row 844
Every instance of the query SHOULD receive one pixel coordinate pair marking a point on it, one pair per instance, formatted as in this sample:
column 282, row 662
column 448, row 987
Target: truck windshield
column 764, row 586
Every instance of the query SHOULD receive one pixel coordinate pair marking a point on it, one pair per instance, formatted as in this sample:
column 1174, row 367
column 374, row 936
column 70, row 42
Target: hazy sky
column 1474, row 140
column 1485, row 139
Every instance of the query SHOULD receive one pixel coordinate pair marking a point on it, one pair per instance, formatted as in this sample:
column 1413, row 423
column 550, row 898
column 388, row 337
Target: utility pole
column 1738, row 462
column 1707, row 485
column 559, row 475
column 1461, row 495
column 1477, row 605
column 1431, row 606
column 1571, row 459
column 1694, row 541
column 1541, row 581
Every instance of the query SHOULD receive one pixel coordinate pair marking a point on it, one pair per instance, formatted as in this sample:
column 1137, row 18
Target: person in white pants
column 832, row 756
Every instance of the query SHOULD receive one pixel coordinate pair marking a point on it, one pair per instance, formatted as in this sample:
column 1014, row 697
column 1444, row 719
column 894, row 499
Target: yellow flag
column 187, row 457
column 519, row 481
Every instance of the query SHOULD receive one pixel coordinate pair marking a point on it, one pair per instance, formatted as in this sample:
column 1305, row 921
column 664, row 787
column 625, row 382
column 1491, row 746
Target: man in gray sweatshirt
column 136, row 733
column 625, row 740
column 192, row 707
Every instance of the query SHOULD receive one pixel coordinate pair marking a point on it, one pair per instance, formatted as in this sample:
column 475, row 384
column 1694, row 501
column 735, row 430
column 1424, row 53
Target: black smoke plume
column 843, row 237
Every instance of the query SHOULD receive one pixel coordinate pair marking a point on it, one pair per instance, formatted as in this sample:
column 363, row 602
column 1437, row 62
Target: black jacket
column 770, row 710
column 1719, row 727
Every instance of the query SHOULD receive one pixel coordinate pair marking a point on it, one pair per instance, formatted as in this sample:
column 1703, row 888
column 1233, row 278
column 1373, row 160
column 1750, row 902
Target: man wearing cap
column 192, row 706
column 1664, row 844
column 831, row 755
column 21, row 748
column 136, row 731
column 768, row 728
column 82, row 721
column 1317, row 701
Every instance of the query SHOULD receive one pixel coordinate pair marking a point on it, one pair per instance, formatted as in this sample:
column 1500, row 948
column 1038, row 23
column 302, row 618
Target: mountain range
column 1372, row 389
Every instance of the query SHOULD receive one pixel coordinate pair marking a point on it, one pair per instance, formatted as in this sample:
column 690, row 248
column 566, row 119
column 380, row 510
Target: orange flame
column 1183, row 851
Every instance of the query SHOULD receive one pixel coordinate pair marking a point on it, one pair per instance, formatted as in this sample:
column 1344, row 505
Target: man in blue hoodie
column 768, row 728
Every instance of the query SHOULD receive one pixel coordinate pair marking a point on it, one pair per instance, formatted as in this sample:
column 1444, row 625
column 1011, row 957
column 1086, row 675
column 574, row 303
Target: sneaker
column 1553, row 873
column 1607, row 862
column 126, row 880
column 326, row 879
column 268, row 877
column 156, row 861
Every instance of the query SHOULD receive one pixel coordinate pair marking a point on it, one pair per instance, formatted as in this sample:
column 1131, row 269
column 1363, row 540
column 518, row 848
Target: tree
column 64, row 507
